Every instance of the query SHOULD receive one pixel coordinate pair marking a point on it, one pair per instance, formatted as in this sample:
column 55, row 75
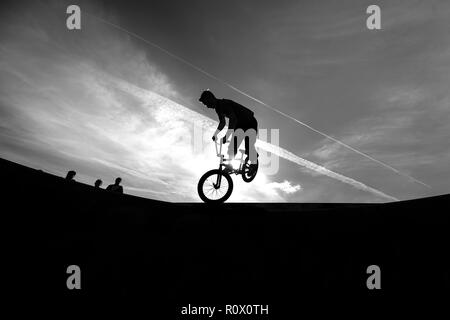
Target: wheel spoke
column 213, row 193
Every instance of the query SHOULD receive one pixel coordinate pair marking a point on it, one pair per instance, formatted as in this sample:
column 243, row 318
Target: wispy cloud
column 285, row 186
column 318, row 169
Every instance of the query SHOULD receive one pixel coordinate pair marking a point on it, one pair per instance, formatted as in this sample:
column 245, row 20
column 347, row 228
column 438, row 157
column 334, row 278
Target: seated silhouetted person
column 98, row 183
column 70, row 175
column 116, row 187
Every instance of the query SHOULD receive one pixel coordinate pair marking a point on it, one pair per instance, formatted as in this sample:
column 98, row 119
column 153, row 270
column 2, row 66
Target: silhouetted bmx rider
column 241, row 125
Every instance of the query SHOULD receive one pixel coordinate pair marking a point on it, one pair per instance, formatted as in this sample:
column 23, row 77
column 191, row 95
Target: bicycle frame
column 223, row 161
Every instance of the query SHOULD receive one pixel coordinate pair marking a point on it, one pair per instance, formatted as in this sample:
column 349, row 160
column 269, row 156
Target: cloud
column 318, row 169
column 285, row 186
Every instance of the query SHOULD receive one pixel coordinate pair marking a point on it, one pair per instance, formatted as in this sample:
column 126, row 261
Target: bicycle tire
column 202, row 181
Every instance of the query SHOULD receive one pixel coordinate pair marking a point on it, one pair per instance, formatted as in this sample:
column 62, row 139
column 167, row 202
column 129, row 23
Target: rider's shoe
column 252, row 168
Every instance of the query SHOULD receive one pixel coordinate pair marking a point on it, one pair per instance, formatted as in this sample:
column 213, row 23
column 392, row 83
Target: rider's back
column 227, row 107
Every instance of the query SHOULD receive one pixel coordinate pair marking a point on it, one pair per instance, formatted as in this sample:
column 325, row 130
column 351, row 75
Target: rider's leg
column 236, row 140
column 250, row 141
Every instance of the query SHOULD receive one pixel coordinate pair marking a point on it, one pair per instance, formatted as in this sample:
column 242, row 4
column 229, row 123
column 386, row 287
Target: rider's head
column 208, row 99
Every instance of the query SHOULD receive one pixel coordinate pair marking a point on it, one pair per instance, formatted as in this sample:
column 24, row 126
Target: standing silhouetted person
column 98, row 183
column 116, row 187
column 70, row 175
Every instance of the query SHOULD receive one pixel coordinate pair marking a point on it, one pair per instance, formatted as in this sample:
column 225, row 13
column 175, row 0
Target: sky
column 105, row 102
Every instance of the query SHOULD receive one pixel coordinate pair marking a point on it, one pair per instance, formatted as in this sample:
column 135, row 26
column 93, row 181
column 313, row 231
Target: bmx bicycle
column 216, row 185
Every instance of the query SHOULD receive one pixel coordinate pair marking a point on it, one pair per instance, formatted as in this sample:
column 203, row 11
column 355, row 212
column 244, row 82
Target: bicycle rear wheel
column 249, row 170
column 209, row 192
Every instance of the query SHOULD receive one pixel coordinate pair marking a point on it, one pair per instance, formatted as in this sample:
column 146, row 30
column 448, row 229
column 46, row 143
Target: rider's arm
column 231, row 125
column 222, row 122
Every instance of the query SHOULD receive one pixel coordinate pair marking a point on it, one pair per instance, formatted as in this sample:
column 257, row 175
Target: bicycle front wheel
column 208, row 189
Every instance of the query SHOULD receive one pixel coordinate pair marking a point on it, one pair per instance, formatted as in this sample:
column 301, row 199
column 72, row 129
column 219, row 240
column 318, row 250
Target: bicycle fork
column 218, row 181
column 219, row 175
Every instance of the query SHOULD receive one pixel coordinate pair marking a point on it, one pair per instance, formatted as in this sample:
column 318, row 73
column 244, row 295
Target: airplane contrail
column 197, row 118
column 283, row 153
